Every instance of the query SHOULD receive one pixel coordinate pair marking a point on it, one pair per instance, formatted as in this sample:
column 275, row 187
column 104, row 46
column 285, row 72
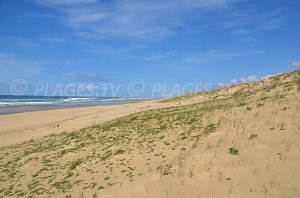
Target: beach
column 241, row 141
column 20, row 127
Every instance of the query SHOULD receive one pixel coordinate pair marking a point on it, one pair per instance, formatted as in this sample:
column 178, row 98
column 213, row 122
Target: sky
column 143, row 48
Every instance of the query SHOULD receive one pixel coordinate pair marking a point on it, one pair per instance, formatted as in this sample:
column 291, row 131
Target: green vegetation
column 119, row 152
column 233, row 151
column 210, row 128
column 98, row 152
column 62, row 186
column 75, row 164
column 165, row 169
column 252, row 136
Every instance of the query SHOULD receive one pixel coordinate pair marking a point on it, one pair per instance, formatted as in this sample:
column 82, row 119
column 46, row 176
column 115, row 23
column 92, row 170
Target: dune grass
column 100, row 156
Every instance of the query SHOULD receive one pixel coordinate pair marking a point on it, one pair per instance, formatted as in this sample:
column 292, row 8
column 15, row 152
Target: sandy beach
column 20, row 127
column 241, row 141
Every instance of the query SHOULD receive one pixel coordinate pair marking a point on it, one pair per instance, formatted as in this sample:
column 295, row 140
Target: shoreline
column 20, row 127
column 13, row 109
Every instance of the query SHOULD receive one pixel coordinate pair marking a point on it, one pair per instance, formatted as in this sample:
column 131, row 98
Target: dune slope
column 242, row 141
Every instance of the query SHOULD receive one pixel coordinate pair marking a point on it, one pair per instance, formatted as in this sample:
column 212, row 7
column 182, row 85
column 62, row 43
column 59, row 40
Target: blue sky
column 95, row 43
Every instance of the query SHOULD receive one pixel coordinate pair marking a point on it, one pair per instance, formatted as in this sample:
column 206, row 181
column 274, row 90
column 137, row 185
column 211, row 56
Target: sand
column 20, row 127
column 242, row 141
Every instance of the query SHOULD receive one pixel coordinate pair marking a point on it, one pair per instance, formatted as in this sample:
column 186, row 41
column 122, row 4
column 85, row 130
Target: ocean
column 17, row 104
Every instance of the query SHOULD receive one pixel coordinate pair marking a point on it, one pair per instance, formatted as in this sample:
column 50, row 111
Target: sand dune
column 242, row 141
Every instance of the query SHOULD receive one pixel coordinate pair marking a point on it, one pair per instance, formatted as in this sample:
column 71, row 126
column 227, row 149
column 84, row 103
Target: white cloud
column 295, row 64
column 234, row 81
column 65, row 2
column 240, row 32
column 142, row 21
column 13, row 67
column 266, row 76
column 124, row 53
column 156, row 20
column 221, row 85
column 85, row 77
column 252, row 78
column 110, row 51
column 274, row 23
column 78, row 17
column 133, row 19
column 255, row 52
column 203, row 57
column 243, row 80
column 47, row 38
column 20, row 42
column 249, row 79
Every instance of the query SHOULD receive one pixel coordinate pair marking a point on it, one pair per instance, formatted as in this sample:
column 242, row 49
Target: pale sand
column 160, row 161
column 20, row 127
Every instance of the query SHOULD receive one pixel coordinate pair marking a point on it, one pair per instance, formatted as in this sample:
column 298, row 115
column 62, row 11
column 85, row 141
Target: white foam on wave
column 23, row 103
column 76, row 99
column 62, row 101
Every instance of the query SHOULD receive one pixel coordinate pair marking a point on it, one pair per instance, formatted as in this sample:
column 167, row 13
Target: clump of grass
column 264, row 98
column 28, row 158
column 41, row 170
column 62, row 186
column 284, row 109
column 119, row 152
column 281, row 126
column 260, row 105
column 75, row 163
column 106, row 155
column 242, row 104
column 95, row 195
column 210, row 128
column 252, row 136
column 191, row 172
column 165, row 169
column 233, row 151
